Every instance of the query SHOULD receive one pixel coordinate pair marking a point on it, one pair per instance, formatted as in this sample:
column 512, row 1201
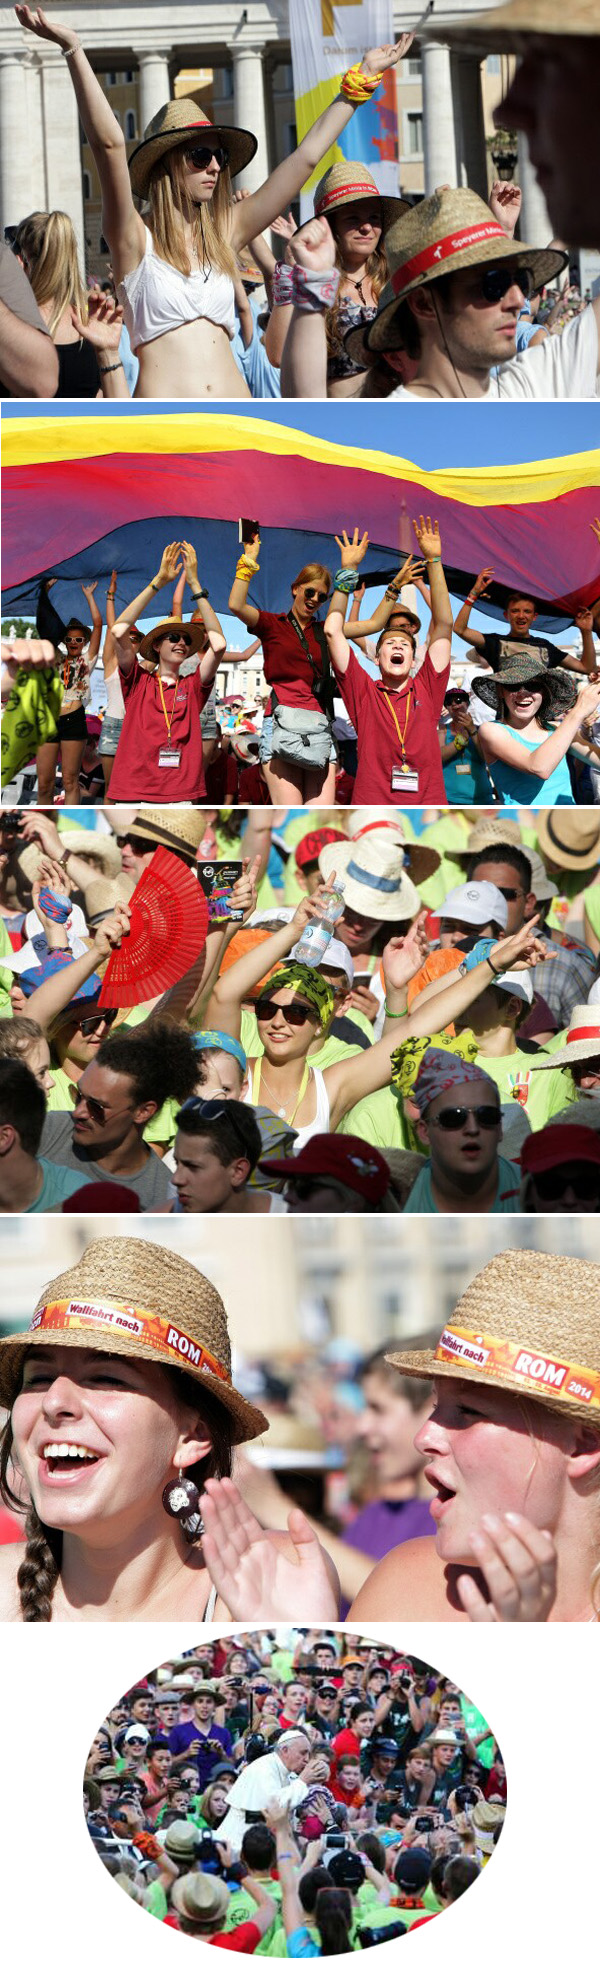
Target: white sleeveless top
column 320, row 1123
column 115, row 705
column 155, row 298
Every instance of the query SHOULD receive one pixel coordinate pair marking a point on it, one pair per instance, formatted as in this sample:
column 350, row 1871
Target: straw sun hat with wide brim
column 510, row 30
column 570, row 838
column 194, row 628
column 178, row 126
column 130, row 1298
column 372, row 873
column 180, row 830
column 420, row 861
column 519, row 671
column 448, row 232
column 352, row 183
column 529, row 1323
column 582, row 1042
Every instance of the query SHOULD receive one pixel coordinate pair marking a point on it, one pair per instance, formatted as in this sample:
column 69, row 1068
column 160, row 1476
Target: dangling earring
column 181, row 1499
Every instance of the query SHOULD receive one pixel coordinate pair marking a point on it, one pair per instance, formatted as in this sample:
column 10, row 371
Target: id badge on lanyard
column 169, row 758
column 169, row 755
column 403, row 778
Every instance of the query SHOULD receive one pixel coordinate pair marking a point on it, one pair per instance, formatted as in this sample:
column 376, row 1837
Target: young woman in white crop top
column 175, row 274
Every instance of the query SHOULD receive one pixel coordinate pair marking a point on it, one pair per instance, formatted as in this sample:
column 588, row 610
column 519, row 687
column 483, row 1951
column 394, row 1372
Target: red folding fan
column 168, row 927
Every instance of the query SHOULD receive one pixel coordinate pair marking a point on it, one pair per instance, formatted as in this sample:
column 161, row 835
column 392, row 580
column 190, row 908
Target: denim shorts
column 109, row 735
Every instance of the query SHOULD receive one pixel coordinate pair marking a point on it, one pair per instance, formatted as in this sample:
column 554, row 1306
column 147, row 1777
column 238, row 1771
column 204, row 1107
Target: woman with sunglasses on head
column 123, row 1418
column 159, row 753
column 537, row 723
column 175, row 274
column 297, row 750
column 77, row 650
column 296, row 1003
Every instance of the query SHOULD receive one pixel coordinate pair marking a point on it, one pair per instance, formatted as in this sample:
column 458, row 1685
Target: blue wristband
column 345, row 580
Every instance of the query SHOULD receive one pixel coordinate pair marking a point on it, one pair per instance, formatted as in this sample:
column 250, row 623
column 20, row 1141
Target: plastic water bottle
column 314, row 941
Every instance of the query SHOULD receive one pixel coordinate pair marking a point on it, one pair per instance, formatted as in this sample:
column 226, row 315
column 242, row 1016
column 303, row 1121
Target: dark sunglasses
column 495, row 281
column 327, row 1696
column 313, row 592
column 510, row 892
column 211, row 1112
column 89, row 1023
column 582, row 1180
column 294, row 1013
column 175, row 638
column 489, row 1116
column 204, row 153
column 139, row 845
column 98, row 1111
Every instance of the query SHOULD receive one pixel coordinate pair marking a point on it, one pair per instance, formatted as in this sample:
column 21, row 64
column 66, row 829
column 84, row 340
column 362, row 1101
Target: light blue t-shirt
column 253, row 361
column 518, row 787
column 507, row 1200
column 58, row 1184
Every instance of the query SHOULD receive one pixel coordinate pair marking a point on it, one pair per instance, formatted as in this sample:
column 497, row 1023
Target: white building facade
column 239, row 56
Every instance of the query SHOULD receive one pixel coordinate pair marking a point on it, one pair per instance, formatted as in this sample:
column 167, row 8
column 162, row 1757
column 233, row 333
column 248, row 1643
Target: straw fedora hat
column 200, row 1897
column 509, row 30
column 582, row 1039
column 421, row 861
column 447, row 232
column 102, row 895
column 181, row 831
column 570, row 838
column 349, row 183
column 486, row 831
column 559, row 689
column 131, row 1298
column 372, row 871
column 172, row 128
column 194, row 628
column 529, row 1322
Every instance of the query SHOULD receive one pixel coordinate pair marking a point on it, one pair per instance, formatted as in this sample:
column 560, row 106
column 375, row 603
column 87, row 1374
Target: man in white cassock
column 275, row 1776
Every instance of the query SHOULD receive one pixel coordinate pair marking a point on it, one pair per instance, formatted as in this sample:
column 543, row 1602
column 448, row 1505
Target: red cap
column 310, row 846
column 560, row 1144
column 348, row 1160
column 102, row 1196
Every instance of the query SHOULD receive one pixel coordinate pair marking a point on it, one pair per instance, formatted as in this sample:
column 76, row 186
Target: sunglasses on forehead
column 295, row 1012
column 204, row 1108
column 203, row 153
column 495, row 281
column 488, row 1116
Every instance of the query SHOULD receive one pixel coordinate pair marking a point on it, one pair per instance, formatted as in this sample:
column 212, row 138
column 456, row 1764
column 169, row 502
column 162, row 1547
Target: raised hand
column 428, row 536
column 407, row 574
column 190, row 559
column 169, row 565
column 104, row 324
column 256, row 1578
column 588, row 701
column 505, row 202
column 523, row 949
column 88, row 590
column 244, row 892
column 111, row 930
column 376, row 60
column 518, row 1564
column 38, row 23
column 313, row 246
column 352, row 549
column 584, row 619
column 483, row 580
column 405, row 954
column 284, row 227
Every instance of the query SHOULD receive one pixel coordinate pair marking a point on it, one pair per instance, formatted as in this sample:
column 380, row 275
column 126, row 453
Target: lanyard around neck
column 401, row 733
column 168, row 718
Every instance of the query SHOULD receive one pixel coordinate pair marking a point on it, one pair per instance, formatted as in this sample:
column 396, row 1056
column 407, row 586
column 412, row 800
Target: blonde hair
column 47, row 240
column 170, row 201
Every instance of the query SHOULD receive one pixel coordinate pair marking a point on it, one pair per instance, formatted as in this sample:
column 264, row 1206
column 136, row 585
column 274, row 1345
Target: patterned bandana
column 304, row 981
column 406, row 1061
column 217, row 1039
column 440, row 1071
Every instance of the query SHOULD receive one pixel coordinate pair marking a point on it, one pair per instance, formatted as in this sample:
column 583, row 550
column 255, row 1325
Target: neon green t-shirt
column 541, row 1092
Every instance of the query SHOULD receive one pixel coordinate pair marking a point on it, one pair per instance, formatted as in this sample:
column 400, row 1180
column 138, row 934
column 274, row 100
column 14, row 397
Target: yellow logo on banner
column 327, row 27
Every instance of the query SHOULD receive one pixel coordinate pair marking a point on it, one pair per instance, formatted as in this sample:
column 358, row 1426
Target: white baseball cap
column 475, row 903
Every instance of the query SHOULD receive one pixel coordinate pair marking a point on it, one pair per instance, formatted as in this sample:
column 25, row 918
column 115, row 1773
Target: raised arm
column 280, row 189
column 586, row 662
column 352, row 553
column 304, row 357
column 204, row 612
column 231, row 990
column 93, row 646
column 55, row 994
column 168, row 568
column 461, row 624
column 121, row 224
column 246, row 568
column 408, row 575
column 498, row 741
column 440, row 632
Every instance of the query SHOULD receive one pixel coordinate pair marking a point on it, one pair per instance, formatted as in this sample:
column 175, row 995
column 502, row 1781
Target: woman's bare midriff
column 192, row 361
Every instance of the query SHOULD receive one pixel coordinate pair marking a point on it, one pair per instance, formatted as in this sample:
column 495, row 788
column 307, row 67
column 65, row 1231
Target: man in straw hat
column 396, row 717
column 553, row 98
column 202, row 1900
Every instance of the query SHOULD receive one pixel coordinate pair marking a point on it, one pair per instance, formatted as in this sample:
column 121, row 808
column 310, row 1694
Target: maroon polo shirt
column 286, row 666
column 378, row 746
column 136, row 770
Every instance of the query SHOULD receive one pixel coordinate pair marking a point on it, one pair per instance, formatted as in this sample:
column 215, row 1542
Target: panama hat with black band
column 522, row 671
column 570, row 839
column 181, row 831
column 449, row 232
column 179, row 126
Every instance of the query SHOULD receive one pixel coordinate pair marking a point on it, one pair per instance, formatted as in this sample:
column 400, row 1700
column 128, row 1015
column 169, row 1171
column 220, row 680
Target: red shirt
column 136, row 770
column 244, row 1937
column 252, row 788
column 287, row 668
column 346, row 1744
column 378, row 745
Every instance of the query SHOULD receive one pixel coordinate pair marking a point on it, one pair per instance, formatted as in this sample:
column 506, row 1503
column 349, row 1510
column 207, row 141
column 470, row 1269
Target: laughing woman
column 122, row 1413
column 175, row 274
column 525, row 752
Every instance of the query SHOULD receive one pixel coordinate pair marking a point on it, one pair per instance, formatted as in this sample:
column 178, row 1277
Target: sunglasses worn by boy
column 495, row 281
column 488, row 1116
column 202, row 155
column 582, row 1180
column 295, row 1012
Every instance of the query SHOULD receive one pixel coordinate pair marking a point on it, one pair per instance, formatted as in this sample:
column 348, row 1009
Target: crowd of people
column 363, row 1017
column 291, row 1793
column 362, row 300
column 353, row 708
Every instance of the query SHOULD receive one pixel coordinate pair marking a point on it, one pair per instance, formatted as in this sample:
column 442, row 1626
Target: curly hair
column 160, row 1059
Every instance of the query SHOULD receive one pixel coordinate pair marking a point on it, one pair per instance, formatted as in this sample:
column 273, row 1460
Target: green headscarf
column 304, row 981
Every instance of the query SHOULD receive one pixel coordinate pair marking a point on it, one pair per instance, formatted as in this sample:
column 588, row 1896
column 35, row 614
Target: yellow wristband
column 246, row 568
column 357, row 87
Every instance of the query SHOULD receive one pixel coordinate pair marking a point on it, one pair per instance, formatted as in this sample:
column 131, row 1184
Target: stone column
column 470, row 137
column 15, row 174
column 439, row 140
column 64, row 185
column 249, row 111
column 534, row 224
column 155, row 84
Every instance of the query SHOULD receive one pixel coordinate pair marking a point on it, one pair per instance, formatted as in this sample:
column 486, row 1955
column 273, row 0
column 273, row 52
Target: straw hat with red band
column 509, row 30
column 448, row 232
column 351, row 183
column 529, row 1323
column 178, row 126
column 582, row 1040
column 130, row 1298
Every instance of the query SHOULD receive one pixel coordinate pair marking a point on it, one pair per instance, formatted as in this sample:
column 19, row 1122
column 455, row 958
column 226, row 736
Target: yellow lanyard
column 401, row 734
column 168, row 720
column 255, row 1092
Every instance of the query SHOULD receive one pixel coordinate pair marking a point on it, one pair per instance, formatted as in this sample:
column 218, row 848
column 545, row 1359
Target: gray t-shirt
column 153, row 1184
